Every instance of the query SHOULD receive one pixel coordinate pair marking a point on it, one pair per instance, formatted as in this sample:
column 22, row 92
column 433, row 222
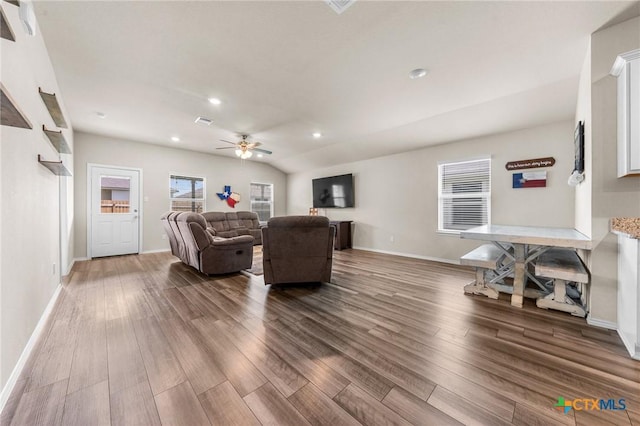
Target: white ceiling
column 286, row 69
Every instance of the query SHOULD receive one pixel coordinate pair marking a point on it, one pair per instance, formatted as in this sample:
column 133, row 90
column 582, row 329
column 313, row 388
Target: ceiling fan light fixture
column 239, row 152
column 417, row 73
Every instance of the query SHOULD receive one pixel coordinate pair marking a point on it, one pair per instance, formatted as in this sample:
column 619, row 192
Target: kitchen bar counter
column 630, row 226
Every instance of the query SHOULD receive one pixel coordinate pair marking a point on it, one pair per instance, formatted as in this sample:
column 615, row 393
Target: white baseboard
column 631, row 347
column 17, row 370
column 413, row 256
column 79, row 259
column 596, row 322
column 155, row 251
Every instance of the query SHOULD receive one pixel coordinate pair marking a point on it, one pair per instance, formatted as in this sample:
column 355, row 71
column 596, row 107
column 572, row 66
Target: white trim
column 70, row 266
column 80, row 259
column 140, row 204
column 17, row 370
column 155, row 251
column 622, row 60
column 411, row 255
column 596, row 322
column 631, row 348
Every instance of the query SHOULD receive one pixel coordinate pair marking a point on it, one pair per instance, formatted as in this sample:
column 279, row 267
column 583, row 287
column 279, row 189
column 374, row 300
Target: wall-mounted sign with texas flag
column 232, row 198
column 530, row 180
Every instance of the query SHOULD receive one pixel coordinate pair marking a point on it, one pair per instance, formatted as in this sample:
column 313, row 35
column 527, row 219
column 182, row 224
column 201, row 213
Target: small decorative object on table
column 313, row 211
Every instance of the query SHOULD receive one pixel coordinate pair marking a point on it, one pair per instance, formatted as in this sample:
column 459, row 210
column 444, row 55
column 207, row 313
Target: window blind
column 464, row 195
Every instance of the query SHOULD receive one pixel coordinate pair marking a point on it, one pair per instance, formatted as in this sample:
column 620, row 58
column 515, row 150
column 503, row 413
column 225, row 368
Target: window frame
column 271, row 203
column 188, row 176
column 465, row 195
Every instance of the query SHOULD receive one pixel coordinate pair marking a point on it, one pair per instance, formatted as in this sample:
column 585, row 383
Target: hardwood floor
column 144, row 340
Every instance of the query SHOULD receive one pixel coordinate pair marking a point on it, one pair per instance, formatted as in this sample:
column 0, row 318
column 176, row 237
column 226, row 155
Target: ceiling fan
column 244, row 148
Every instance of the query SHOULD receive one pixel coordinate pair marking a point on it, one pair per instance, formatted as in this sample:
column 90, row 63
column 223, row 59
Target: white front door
column 114, row 210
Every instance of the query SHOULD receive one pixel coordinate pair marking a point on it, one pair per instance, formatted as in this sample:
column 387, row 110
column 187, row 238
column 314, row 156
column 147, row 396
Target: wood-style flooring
column 146, row 340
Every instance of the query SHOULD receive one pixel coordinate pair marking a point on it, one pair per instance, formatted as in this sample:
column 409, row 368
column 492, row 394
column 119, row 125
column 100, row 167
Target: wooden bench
column 484, row 258
column 563, row 266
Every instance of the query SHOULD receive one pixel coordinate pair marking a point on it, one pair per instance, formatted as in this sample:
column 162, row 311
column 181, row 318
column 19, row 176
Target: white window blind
column 464, row 195
column 262, row 200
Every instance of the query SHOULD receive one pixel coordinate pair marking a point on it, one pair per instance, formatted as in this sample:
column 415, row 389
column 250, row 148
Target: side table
column 343, row 234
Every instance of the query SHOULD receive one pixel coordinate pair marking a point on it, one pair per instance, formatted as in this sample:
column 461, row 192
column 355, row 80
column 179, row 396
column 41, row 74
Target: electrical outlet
column 164, row 236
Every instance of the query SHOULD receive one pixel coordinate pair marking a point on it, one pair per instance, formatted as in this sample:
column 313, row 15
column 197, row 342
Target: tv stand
column 343, row 234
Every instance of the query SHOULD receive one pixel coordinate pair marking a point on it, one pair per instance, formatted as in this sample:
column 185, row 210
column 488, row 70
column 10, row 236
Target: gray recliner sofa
column 297, row 249
column 209, row 254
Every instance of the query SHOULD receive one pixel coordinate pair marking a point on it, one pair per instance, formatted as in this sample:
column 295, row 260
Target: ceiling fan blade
column 253, row 145
column 227, row 147
column 232, row 143
column 264, row 151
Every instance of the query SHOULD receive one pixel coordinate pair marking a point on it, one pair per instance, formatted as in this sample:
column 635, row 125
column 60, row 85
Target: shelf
column 5, row 29
column 10, row 115
column 56, row 167
column 53, row 106
column 57, row 140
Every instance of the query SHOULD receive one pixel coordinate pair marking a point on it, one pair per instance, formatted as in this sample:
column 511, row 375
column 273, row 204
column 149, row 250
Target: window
column 262, row 200
column 114, row 194
column 464, row 195
column 187, row 194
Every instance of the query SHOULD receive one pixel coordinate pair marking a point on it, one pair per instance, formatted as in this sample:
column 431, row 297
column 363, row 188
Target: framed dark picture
column 578, row 137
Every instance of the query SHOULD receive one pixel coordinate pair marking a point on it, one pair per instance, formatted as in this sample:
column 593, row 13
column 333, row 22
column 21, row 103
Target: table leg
column 519, row 277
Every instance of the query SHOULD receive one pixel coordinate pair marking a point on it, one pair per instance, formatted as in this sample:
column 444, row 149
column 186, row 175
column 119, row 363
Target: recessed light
column 175, row 139
column 417, row 73
column 317, row 135
column 215, row 101
column 259, row 155
column 101, row 114
column 202, row 120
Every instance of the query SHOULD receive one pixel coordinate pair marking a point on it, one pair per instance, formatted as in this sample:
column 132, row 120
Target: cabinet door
column 634, row 115
column 627, row 69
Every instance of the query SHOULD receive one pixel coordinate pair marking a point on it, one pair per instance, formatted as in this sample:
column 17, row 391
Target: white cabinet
column 627, row 69
column 629, row 293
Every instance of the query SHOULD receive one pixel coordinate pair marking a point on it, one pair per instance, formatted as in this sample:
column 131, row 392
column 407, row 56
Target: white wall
column 611, row 196
column 157, row 163
column 397, row 195
column 583, row 113
column 30, row 194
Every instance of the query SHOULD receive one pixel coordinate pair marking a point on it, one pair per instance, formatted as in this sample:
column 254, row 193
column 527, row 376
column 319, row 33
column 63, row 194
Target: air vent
column 339, row 6
column 202, row 120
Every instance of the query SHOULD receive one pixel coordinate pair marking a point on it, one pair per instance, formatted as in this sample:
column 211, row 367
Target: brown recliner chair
column 297, row 249
column 210, row 254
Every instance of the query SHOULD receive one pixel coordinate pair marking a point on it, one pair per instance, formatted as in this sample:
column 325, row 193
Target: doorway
column 113, row 224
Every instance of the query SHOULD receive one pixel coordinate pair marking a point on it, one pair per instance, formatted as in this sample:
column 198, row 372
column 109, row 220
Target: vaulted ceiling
column 284, row 70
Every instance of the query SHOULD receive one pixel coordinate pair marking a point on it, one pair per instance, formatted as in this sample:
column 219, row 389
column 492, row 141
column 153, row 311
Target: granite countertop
column 626, row 225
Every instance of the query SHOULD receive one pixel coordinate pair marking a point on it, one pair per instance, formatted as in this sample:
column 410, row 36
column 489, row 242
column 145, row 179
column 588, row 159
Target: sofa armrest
column 233, row 241
column 200, row 235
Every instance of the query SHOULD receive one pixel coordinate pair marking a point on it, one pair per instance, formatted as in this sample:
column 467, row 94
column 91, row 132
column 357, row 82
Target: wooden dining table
column 522, row 245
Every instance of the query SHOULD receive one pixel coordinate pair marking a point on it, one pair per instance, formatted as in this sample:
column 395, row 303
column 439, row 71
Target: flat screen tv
column 333, row 192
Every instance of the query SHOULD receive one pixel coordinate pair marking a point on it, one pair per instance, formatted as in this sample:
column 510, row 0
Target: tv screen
column 333, row 192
